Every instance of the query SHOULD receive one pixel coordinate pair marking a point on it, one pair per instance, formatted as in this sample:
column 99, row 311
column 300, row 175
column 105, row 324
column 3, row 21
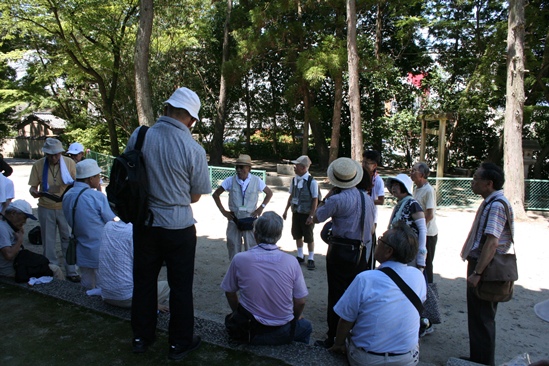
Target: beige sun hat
column 303, row 160
column 87, row 168
column 52, row 146
column 243, row 159
column 345, row 173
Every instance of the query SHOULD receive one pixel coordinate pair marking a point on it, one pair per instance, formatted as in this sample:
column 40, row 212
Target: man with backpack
column 304, row 196
column 177, row 175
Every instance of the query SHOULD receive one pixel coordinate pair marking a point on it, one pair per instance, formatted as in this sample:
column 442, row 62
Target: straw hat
column 404, row 179
column 345, row 173
column 52, row 146
column 243, row 159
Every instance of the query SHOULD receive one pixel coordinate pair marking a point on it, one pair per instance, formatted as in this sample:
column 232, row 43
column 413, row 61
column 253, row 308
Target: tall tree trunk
column 306, row 119
column 216, row 153
column 336, row 117
column 248, row 114
column 512, row 143
column 143, row 100
column 378, row 107
column 354, row 92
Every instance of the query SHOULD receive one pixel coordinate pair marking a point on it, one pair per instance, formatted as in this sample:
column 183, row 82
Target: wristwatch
column 263, row 205
column 476, row 273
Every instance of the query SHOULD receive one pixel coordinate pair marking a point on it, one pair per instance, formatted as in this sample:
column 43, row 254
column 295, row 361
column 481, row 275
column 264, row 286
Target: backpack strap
column 141, row 137
column 410, row 294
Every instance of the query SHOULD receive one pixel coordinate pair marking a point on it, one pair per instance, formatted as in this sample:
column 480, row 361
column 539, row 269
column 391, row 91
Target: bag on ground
column 28, row 264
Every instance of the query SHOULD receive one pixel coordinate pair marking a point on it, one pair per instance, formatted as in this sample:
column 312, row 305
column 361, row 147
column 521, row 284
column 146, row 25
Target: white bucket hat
column 303, row 160
column 345, row 173
column 87, row 168
column 187, row 99
column 75, row 148
column 52, row 146
column 24, row 207
column 404, row 179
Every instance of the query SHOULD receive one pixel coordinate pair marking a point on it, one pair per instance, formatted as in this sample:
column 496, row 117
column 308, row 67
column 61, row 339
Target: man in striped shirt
column 177, row 172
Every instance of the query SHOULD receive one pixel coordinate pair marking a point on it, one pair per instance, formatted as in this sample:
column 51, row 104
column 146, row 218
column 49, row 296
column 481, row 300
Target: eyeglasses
column 381, row 240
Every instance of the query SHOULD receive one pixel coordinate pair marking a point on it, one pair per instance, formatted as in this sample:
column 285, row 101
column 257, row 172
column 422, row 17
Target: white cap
column 87, row 168
column 24, row 207
column 75, row 148
column 187, row 99
column 303, row 160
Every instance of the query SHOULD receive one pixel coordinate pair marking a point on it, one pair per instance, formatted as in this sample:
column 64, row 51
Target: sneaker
column 75, row 278
column 177, row 352
column 326, row 343
column 300, row 260
column 139, row 345
column 311, row 264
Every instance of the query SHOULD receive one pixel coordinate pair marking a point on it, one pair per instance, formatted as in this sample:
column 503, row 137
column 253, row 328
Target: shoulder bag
column 498, row 278
column 347, row 250
column 70, row 255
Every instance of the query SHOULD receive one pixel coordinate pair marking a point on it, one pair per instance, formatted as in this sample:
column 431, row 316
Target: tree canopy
column 284, row 73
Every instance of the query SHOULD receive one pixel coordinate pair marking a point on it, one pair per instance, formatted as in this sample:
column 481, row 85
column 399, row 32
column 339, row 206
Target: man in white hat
column 352, row 213
column 76, row 152
column 49, row 178
column 303, row 200
column 244, row 189
column 87, row 211
column 177, row 172
column 12, row 235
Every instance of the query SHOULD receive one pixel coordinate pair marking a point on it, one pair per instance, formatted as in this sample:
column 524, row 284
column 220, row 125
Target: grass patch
column 41, row 330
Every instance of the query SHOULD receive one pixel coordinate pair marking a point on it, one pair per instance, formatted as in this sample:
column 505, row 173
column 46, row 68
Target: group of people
column 263, row 285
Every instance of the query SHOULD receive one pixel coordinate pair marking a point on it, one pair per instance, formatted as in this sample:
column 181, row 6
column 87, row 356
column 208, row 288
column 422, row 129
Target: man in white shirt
column 382, row 322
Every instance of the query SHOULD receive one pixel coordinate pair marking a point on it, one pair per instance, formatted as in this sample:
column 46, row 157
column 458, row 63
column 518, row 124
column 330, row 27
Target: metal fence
column 456, row 192
column 104, row 161
column 451, row 192
column 218, row 175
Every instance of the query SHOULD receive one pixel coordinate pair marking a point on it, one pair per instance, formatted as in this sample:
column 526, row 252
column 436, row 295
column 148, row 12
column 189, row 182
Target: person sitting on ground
column 114, row 274
column 12, row 234
column 271, row 287
column 303, row 199
column 384, row 322
column 244, row 189
column 92, row 212
column 5, row 168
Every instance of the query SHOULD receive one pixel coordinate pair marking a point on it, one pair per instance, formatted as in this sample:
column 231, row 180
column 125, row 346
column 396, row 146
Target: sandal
column 75, row 278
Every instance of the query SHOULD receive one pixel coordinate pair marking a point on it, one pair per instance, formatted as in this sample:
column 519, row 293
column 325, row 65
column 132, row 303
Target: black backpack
column 128, row 189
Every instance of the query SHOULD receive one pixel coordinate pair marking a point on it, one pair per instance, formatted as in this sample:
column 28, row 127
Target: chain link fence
column 451, row 192
column 218, row 175
column 457, row 192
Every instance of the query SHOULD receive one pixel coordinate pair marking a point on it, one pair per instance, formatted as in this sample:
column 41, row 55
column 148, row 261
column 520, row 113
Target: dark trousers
column 153, row 246
column 431, row 246
column 340, row 275
column 481, row 317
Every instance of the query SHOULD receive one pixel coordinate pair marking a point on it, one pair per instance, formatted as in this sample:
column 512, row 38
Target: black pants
column 153, row 246
column 340, row 275
column 431, row 246
column 481, row 317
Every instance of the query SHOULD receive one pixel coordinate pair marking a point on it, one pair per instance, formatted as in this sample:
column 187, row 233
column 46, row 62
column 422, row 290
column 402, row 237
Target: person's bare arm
column 428, row 215
column 488, row 251
column 228, row 214
column 288, row 204
column 34, row 191
column 299, row 305
column 343, row 329
column 195, row 197
column 379, row 201
column 232, row 299
column 312, row 212
column 268, row 195
column 9, row 253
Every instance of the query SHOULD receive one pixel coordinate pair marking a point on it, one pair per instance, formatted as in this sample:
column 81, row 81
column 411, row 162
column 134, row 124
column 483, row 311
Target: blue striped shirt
column 176, row 168
column 495, row 224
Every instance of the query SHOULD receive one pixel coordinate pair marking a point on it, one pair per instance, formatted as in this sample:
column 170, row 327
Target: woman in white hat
column 409, row 211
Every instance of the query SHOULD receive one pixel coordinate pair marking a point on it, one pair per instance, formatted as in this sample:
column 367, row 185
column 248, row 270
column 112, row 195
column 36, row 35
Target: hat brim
column 390, row 182
column 89, row 174
column 74, row 152
column 52, row 151
column 242, row 163
column 345, row 184
column 30, row 216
